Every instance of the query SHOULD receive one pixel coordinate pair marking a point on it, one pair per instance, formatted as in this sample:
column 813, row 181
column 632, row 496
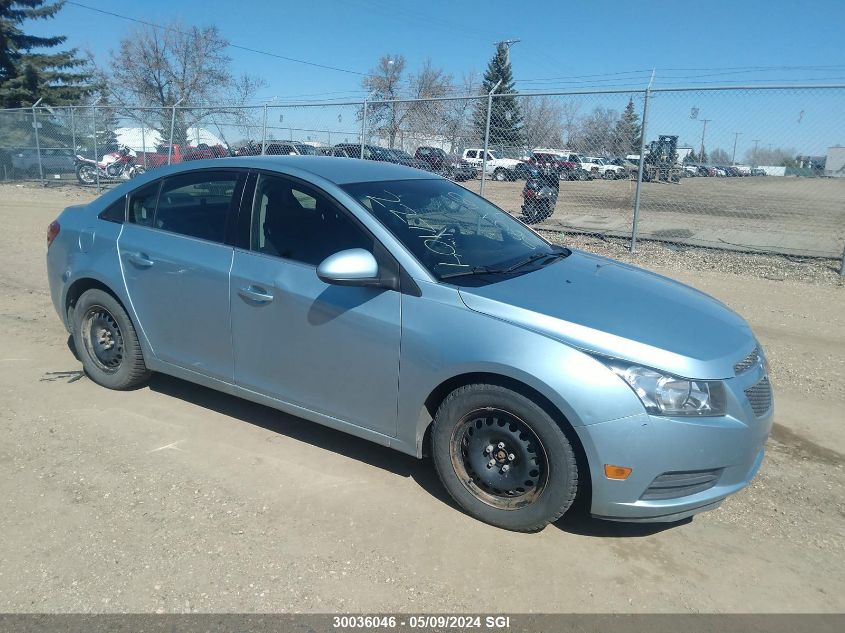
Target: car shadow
column 420, row 470
column 576, row 521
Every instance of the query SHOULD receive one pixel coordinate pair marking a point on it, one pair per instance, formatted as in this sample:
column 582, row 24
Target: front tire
column 86, row 174
column 500, row 174
column 503, row 459
column 106, row 342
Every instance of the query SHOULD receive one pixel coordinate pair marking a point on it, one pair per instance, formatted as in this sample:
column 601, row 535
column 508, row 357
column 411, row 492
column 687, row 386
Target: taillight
column 52, row 232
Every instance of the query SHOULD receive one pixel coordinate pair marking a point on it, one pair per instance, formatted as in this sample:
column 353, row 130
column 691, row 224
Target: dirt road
column 176, row 498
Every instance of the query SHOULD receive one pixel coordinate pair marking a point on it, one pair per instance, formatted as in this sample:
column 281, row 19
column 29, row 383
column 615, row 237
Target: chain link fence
column 750, row 169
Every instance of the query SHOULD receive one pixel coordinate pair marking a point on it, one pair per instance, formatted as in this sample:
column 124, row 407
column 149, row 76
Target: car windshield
column 450, row 229
column 401, row 153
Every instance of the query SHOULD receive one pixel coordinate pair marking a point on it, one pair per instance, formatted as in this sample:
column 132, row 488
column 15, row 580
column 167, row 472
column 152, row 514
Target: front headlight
column 663, row 394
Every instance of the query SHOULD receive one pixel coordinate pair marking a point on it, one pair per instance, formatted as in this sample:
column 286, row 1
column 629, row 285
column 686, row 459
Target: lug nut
column 489, row 449
column 491, row 463
column 505, row 468
column 501, row 444
column 511, row 457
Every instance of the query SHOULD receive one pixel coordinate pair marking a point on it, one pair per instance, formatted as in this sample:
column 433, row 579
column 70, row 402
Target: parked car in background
column 705, row 171
column 53, row 161
column 451, row 166
column 178, row 153
column 497, row 168
column 588, row 167
column 396, row 306
column 758, row 171
column 719, row 172
column 607, row 170
column 566, row 169
column 404, row 158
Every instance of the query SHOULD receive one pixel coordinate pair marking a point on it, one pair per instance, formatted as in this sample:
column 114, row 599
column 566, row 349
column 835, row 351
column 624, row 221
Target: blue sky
column 565, row 46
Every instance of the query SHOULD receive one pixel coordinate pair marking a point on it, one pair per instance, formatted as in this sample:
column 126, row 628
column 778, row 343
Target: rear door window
column 199, row 204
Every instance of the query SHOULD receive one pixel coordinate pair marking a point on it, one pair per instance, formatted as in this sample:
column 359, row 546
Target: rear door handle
column 255, row 294
column 140, row 259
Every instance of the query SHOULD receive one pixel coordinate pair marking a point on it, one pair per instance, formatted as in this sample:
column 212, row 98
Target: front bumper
column 728, row 450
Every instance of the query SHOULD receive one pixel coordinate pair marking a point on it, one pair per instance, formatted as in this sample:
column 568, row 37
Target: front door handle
column 140, row 259
column 255, row 294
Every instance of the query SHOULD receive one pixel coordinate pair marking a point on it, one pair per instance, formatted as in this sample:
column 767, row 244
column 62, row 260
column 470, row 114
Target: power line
column 237, row 46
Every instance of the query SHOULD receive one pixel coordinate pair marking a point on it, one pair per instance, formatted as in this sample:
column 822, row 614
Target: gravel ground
column 176, row 498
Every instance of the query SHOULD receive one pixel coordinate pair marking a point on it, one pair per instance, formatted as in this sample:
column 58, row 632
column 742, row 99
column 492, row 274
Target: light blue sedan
column 397, row 306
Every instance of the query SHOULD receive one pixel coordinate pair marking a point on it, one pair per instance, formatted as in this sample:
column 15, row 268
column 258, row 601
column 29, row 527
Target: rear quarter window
column 115, row 212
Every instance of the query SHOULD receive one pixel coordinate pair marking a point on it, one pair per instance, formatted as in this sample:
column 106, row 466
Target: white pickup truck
column 498, row 168
column 597, row 167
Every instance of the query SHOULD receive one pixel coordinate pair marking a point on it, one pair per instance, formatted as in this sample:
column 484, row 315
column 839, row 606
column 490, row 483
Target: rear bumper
column 728, row 449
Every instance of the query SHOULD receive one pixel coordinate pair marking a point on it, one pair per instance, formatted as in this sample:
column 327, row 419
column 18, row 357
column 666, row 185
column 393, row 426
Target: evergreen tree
column 628, row 131
column 692, row 157
column 61, row 77
column 506, row 123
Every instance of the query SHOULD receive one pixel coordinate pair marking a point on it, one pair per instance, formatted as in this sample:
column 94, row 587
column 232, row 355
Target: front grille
column 760, row 397
column 748, row 362
column 681, row 483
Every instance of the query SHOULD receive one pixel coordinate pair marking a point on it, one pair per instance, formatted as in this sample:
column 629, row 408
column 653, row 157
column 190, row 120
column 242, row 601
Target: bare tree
column 386, row 84
column 719, row 156
column 776, row 157
column 597, row 131
column 159, row 66
column 542, row 121
column 458, row 113
column 569, row 111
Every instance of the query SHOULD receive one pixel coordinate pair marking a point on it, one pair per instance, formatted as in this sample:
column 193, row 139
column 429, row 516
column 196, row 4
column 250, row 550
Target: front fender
column 442, row 340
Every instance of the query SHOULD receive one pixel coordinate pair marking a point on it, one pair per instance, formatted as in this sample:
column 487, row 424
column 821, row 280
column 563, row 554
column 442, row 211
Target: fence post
column 363, row 129
column 144, row 143
column 264, row 132
column 640, row 168
column 94, row 135
column 72, row 130
column 37, row 142
column 842, row 264
column 172, row 126
column 487, row 136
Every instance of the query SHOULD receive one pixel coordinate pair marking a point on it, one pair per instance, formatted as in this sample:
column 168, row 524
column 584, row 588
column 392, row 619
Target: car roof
column 340, row 171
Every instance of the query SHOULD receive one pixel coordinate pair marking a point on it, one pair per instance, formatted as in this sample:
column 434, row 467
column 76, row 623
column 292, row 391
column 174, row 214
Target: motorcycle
column 540, row 195
column 113, row 166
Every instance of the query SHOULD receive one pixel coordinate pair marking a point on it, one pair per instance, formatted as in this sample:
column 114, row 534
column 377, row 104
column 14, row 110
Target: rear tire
column 500, row 174
column 533, row 477
column 86, row 174
column 106, row 342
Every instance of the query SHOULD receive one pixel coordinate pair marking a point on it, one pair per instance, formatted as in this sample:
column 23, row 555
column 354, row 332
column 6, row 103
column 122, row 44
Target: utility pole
column 756, row 141
column 733, row 158
column 508, row 44
column 703, row 131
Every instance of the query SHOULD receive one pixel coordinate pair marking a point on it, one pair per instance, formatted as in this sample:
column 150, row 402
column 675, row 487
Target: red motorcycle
column 113, row 166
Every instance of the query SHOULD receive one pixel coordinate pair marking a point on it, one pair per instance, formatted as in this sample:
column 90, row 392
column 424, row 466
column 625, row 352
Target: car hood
column 619, row 311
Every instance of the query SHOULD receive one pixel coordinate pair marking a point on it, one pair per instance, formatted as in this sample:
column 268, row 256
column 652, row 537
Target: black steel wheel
column 502, row 458
column 106, row 341
column 102, row 339
column 499, row 458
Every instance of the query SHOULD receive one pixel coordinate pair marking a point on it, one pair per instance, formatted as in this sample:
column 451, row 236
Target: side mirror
column 353, row 267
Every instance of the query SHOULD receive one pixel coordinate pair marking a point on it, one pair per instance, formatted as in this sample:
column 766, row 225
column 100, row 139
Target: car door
column 327, row 348
column 176, row 261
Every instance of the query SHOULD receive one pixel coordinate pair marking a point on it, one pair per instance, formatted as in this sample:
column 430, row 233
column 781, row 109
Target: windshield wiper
column 475, row 270
column 535, row 258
